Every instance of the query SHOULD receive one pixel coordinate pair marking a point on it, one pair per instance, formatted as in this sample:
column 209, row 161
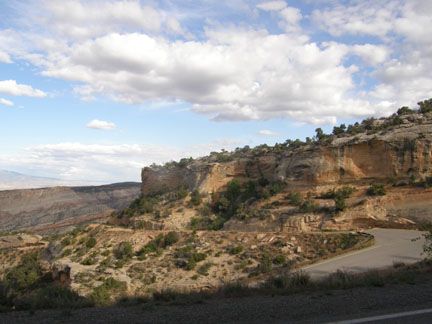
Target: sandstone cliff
column 392, row 153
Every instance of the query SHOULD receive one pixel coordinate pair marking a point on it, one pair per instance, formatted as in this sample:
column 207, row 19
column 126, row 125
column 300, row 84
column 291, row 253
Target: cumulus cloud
column 6, row 102
column 11, row 87
column 402, row 26
column 358, row 17
column 120, row 49
column 267, row 132
column 272, row 5
column 371, row 54
column 285, row 74
column 80, row 20
column 101, row 124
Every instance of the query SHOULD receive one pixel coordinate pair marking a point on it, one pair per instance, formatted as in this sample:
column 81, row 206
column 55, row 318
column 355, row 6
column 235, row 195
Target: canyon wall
column 58, row 208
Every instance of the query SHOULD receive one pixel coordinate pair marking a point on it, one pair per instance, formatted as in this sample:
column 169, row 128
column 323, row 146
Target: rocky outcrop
column 53, row 209
column 395, row 153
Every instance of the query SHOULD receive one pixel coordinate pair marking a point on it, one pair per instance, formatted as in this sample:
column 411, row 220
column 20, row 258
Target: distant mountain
column 59, row 208
column 13, row 180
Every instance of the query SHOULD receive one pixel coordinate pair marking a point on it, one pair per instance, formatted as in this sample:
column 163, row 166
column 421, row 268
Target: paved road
column 391, row 245
column 418, row 316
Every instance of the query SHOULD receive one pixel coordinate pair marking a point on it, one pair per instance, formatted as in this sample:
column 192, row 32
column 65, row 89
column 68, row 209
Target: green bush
column 425, row 106
column 90, row 243
column 295, row 198
column 265, row 265
column 340, row 204
column 171, row 238
column 196, row 198
column 53, row 296
column 204, row 269
column 104, row 294
column 308, row 206
column 279, row 259
column 235, row 250
column 123, row 251
column 25, row 275
column 376, row 190
column 158, row 243
column 187, row 257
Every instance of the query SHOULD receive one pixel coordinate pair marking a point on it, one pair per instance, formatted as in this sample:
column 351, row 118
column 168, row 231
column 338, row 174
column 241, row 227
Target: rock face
column 52, row 209
column 395, row 153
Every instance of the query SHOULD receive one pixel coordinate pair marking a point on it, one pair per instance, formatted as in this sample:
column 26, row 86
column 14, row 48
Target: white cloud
column 286, row 74
column 367, row 17
column 272, row 5
column 6, row 102
column 4, row 57
column 101, row 124
column 120, row 49
column 371, row 54
column 11, row 87
column 267, row 132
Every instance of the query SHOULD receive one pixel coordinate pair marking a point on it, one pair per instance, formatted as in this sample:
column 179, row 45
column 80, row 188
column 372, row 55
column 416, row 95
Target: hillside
column 242, row 217
column 268, row 182
column 59, row 208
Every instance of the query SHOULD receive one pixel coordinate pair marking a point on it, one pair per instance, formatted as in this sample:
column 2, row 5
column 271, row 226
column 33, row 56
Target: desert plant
column 196, row 198
column 90, row 243
column 104, row 294
column 123, row 251
column 376, row 190
column 295, row 198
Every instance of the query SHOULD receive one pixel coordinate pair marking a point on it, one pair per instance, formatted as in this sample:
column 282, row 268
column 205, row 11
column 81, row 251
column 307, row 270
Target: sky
column 95, row 90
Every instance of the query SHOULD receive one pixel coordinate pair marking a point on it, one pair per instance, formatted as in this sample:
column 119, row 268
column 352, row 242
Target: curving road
column 391, row 245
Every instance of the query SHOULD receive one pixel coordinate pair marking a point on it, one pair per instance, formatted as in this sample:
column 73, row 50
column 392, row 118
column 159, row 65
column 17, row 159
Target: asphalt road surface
column 391, row 245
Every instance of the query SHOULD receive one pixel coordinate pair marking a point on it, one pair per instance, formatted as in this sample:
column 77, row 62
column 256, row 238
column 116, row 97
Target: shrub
column 89, row 260
column 308, row 206
column 265, row 264
column 187, row 257
column 105, row 293
column 90, row 243
column 294, row 281
column 279, row 259
column 203, row 270
column 376, row 190
column 171, row 238
column 295, row 198
column 235, row 250
column 425, row 106
column 428, row 182
column 66, row 241
column 26, row 274
column 53, row 296
column 344, row 192
column 196, row 198
column 123, row 251
column 340, row 204
column 158, row 243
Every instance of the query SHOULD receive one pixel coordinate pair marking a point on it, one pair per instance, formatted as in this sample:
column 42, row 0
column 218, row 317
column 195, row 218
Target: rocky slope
column 386, row 150
column 59, row 208
column 395, row 152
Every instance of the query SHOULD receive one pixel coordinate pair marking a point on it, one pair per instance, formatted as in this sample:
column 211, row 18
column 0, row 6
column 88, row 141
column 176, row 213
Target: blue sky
column 95, row 90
